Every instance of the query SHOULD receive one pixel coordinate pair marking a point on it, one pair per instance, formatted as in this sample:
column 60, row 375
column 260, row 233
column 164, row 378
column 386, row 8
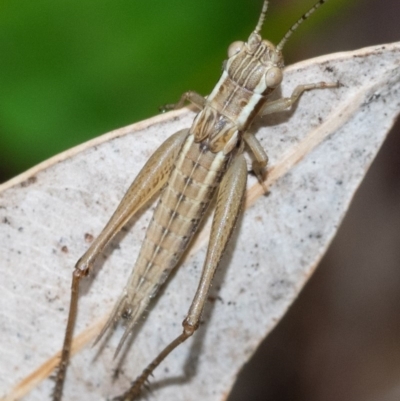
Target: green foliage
column 72, row 70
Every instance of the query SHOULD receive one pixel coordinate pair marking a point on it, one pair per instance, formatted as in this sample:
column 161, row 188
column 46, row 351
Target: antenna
column 288, row 34
column 261, row 19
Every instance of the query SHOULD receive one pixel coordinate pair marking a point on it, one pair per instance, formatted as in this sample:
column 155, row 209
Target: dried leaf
column 319, row 153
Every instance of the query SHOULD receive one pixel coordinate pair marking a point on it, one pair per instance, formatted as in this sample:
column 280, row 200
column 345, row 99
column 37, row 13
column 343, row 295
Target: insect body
column 191, row 167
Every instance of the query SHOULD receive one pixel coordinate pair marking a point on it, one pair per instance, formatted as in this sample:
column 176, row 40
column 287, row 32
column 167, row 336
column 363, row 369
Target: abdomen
column 183, row 202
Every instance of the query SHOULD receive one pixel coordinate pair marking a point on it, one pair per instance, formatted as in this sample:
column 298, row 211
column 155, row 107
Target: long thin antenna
column 296, row 25
column 261, row 19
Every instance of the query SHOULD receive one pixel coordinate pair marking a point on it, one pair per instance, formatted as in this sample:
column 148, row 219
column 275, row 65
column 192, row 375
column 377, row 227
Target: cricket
column 189, row 170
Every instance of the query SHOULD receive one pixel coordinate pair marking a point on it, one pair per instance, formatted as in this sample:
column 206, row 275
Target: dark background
column 70, row 71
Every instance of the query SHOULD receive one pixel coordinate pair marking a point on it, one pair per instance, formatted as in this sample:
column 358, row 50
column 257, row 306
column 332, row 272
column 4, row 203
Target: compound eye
column 235, row 48
column 274, row 77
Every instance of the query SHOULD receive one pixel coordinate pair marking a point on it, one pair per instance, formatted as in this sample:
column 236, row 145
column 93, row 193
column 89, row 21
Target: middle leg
column 260, row 160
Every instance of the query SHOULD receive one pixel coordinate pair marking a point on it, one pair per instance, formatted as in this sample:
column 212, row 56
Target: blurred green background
column 72, row 70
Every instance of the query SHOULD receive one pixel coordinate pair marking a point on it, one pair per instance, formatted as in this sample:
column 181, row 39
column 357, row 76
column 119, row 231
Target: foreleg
column 287, row 102
column 190, row 96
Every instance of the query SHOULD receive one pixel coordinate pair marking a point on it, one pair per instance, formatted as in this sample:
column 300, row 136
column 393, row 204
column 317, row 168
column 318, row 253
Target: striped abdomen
column 191, row 186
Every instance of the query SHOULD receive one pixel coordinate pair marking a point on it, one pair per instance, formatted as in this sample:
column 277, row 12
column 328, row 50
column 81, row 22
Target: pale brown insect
column 191, row 167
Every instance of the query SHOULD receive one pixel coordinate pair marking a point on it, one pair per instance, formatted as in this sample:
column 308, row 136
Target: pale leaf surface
column 319, row 153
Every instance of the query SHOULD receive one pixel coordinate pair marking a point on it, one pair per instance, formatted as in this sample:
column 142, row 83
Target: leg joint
column 189, row 327
column 82, row 268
